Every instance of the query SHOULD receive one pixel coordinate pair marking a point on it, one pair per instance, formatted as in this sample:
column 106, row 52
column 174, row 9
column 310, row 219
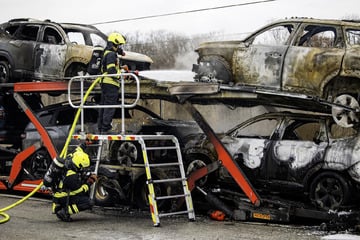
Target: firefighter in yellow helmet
column 72, row 195
column 110, row 85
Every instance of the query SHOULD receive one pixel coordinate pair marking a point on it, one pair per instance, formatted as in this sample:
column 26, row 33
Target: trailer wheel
column 329, row 190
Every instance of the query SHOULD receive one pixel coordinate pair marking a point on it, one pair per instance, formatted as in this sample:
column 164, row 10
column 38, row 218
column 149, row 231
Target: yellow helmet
column 116, row 38
column 80, row 159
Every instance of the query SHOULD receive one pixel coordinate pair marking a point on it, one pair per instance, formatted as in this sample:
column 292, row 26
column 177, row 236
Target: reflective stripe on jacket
column 110, row 65
column 71, row 183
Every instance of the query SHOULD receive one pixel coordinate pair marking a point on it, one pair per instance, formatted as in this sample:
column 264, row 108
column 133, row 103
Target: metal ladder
column 145, row 149
column 185, row 192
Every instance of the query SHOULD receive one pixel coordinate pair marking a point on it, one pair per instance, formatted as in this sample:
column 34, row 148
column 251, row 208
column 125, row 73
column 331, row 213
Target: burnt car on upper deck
column 315, row 57
column 288, row 154
column 43, row 50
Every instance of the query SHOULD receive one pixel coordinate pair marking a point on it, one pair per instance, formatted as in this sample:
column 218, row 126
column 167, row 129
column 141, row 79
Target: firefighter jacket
column 72, row 184
column 110, row 65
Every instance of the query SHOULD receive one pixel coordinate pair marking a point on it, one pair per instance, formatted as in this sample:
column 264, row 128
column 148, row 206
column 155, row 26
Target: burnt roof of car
column 79, row 25
column 319, row 20
column 66, row 25
column 32, row 20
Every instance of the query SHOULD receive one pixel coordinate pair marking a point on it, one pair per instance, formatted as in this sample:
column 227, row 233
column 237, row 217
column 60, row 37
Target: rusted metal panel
column 306, row 70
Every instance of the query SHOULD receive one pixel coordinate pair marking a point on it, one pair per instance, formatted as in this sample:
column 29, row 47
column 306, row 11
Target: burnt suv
column 317, row 58
column 303, row 157
column 34, row 49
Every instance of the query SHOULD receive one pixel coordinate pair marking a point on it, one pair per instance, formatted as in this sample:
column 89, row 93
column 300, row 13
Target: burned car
column 315, row 57
column 36, row 50
column 121, row 176
column 57, row 120
column 291, row 155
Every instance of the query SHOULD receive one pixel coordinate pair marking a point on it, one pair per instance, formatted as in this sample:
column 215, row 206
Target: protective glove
column 43, row 188
column 92, row 178
column 125, row 68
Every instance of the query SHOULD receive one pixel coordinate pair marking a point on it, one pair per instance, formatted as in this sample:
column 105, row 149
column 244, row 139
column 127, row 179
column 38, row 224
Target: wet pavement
column 33, row 220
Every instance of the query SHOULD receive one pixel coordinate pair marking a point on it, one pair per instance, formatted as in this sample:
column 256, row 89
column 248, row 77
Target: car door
column 351, row 64
column 22, row 48
column 300, row 145
column 258, row 61
column 50, row 54
column 314, row 58
column 248, row 143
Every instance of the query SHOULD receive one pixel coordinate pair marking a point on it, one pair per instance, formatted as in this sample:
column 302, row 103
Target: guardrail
column 97, row 78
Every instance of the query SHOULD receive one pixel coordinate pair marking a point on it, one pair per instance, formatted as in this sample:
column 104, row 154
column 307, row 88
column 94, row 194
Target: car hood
column 133, row 56
column 220, row 44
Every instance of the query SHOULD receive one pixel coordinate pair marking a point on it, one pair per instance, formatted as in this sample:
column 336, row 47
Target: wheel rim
column 329, row 193
column 343, row 117
column 127, row 153
column 101, row 192
column 39, row 163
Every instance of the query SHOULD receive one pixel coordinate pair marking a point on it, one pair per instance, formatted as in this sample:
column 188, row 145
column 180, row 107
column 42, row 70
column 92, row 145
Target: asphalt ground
column 33, row 220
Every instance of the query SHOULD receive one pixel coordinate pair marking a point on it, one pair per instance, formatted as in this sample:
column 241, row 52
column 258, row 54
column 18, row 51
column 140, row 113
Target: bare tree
column 167, row 49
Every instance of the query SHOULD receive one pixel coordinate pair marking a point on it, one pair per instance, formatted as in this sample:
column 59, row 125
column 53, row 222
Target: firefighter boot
column 63, row 215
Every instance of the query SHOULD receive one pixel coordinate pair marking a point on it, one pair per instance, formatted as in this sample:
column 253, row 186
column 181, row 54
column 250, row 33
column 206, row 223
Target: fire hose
column 5, row 216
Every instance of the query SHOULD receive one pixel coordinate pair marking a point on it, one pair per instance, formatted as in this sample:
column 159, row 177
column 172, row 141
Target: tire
column 214, row 68
column 5, row 74
column 330, row 191
column 141, row 193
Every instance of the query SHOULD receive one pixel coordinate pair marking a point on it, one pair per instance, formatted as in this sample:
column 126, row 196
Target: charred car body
column 288, row 154
column 34, row 49
column 314, row 57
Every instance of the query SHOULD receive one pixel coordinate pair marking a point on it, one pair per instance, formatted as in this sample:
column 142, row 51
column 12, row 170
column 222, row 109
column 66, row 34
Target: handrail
column 121, row 78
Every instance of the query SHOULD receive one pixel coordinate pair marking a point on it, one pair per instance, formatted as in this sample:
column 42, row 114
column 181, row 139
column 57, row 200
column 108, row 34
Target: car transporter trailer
column 252, row 207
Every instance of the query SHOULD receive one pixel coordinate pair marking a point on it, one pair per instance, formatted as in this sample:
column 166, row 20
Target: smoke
column 185, row 61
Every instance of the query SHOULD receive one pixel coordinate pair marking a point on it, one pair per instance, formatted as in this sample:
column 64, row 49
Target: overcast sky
column 233, row 20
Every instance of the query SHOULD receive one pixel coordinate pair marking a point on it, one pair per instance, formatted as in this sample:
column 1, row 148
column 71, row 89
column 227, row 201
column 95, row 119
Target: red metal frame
column 21, row 87
column 224, row 158
column 40, row 86
column 17, row 162
column 3, row 186
column 27, row 185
